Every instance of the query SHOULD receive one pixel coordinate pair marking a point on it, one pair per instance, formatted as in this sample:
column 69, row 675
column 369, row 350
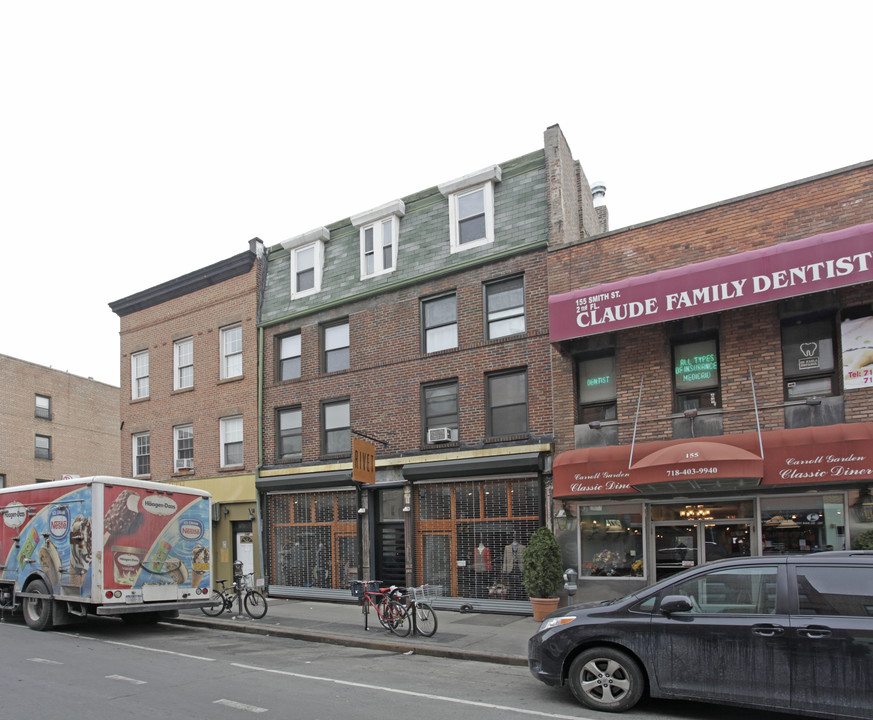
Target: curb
column 397, row 645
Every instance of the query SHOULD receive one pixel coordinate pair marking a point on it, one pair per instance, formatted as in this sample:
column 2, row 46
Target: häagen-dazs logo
column 159, row 505
column 14, row 514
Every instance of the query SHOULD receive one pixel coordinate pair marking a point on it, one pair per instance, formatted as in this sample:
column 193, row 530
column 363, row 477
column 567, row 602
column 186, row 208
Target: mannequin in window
column 513, row 558
column 482, row 559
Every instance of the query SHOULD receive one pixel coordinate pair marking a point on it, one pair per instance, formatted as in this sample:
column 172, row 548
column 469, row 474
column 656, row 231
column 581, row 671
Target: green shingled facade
column 520, row 221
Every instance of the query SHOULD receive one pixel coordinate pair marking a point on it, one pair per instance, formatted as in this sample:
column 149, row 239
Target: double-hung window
column 289, row 443
column 306, row 261
column 289, row 357
column 139, row 375
column 471, row 208
column 336, row 427
column 43, row 407
column 379, row 230
column 440, row 411
column 42, row 447
column 183, row 447
column 336, row 347
column 231, row 352
column 439, row 319
column 506, row 403
column 504, row 307
column 183, row 363
column 231, row 441
column 141, row 454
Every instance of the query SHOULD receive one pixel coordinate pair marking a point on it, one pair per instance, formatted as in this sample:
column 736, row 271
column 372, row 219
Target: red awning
column 833, row 453
column 697, row 460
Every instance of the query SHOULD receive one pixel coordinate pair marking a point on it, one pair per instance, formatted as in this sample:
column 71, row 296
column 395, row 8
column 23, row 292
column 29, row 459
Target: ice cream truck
column 103, row 546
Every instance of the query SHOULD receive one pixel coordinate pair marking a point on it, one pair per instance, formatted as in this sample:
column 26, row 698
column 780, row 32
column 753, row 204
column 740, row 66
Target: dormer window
column 380, row 232
column 471, row 208
column 307, row 261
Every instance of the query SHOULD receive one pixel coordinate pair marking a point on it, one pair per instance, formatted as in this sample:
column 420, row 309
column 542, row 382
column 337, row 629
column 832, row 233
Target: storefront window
column 612, row 540
column 808, row 358
column 595, row 378
column 695, row 375
column 860, row 513
column 803, row 523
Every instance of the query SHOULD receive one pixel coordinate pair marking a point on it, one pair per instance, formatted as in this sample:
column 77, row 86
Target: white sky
column 141, row 141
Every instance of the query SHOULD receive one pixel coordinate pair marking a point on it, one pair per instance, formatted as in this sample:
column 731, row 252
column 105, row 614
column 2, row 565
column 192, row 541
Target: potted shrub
column 864, row 541
column 542, row 572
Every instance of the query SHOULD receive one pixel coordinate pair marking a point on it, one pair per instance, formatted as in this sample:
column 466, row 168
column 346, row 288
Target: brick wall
column 747, row 336
column 83, row 427
column 200, row 315
column 388, row 368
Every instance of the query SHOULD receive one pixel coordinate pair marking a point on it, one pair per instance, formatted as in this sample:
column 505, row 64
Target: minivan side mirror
column 675, row 604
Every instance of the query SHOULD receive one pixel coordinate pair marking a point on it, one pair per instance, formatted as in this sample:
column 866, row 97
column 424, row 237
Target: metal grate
column 470, row 536
column 313, row 539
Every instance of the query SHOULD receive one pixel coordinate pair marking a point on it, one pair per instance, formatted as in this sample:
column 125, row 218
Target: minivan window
column 747, row 590
column 847, row 590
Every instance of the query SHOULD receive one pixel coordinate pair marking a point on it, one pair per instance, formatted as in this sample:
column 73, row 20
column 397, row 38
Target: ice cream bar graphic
column 28, row 545
column 156, row 564
column 122, row 516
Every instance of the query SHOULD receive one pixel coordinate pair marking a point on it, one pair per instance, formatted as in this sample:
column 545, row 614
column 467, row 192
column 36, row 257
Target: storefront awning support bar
column 636, row 421
column 757, row 416
column 383, row 443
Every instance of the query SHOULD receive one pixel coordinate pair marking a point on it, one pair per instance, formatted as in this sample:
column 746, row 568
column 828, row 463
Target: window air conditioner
column 441, row 434
column 185, row 465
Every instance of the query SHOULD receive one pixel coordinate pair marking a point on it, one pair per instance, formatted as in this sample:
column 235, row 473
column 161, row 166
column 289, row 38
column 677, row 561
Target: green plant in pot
column 542, row 572
column 864, row 541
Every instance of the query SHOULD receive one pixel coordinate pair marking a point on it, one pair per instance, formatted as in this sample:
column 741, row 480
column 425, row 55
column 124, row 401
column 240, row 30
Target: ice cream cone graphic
column 199, row 564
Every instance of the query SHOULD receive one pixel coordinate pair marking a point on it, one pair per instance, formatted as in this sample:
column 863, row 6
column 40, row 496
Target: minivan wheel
column 38, row 613
column 606, row 679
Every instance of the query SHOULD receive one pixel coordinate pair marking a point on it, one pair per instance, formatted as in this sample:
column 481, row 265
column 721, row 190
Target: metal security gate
column 312, row 540
column 470, row 537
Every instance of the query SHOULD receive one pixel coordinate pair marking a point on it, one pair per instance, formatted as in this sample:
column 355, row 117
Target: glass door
column 675, row 549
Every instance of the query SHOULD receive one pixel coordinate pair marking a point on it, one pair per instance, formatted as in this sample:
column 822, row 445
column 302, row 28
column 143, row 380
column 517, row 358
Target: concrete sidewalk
column 486, row 637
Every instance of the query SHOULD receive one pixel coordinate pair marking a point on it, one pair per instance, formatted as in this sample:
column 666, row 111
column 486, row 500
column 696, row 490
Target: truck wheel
column 38, row 613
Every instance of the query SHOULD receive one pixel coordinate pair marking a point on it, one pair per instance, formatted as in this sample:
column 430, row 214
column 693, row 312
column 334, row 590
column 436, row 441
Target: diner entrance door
column 687, row 535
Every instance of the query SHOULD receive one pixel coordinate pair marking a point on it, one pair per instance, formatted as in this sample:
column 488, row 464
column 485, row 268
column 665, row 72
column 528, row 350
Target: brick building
column 54, row 424
column 420, row 327
column 189, row 400
column 713, row 383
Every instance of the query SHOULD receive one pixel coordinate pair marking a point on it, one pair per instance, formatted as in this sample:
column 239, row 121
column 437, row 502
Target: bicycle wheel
column 399, row 620
column 255, row 604
column 383, row 611
column 425, row 619
column 217, row 606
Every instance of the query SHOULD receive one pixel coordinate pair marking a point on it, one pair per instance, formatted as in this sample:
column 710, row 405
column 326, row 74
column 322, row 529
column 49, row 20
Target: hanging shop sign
column 813, row 264
column 363, row 461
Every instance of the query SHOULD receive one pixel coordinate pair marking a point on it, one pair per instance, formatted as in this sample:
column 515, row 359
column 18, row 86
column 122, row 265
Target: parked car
column 783, row 633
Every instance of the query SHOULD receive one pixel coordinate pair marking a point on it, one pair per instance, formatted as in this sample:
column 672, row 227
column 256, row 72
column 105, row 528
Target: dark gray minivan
column 783, row 633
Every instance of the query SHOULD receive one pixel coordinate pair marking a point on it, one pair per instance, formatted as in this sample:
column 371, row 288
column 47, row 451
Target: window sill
column 231, row 380
column 290, row 459
column 337, row 456
column 133, row 401
column 506, row 438
column 231, row 468
column 182, row 390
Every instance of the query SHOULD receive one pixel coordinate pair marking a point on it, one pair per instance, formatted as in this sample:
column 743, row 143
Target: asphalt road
column 107, row 669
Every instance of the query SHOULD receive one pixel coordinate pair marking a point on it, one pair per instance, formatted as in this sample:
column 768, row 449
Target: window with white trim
column 471, row 209
column 141, row 454
column 183, row 447
column 139, row 375
column 306, row 254
column 504, row 307
column 289, row 442
column 231, row 441
column 183, row 364
column 231, row 352
column 378, row 243
column 290, row 347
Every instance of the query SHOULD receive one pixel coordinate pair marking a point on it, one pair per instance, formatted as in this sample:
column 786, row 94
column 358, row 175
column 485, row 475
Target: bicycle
column 244, row 594
column 390, row 610
column 424, row 620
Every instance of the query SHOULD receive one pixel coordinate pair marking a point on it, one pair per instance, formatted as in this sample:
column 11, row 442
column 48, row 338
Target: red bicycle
column 388, row 603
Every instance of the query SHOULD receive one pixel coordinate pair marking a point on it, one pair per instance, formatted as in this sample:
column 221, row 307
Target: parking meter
column 570, row 576
column 237, row 570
